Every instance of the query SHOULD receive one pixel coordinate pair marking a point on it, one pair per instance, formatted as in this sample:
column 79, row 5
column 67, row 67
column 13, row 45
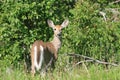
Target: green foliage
column 90, row 35
column 23, row 22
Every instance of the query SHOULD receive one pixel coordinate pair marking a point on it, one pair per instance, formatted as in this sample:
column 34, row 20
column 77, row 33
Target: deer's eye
column 54, row 28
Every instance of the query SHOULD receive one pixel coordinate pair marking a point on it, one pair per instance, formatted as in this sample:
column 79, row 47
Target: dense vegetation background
column 94, row 28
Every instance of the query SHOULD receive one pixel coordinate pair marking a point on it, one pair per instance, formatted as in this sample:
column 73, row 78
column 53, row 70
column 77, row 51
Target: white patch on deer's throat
column 38, row 65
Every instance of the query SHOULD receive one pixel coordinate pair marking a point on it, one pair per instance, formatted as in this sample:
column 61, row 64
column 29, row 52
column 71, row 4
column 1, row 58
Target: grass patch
column 64, row 71
column 77, row 73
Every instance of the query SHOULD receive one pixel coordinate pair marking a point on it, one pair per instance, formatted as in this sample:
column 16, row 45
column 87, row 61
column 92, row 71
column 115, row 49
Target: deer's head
column 57, row 28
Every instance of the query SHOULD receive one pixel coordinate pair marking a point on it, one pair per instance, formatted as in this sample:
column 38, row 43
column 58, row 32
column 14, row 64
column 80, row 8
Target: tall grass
column 93, row 73
column 83, row 72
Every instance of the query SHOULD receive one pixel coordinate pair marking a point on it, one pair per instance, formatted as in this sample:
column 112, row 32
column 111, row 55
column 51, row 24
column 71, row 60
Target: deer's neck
column 56, row 42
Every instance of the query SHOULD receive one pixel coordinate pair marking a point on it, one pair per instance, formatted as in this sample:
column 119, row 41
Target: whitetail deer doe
column 45, row 54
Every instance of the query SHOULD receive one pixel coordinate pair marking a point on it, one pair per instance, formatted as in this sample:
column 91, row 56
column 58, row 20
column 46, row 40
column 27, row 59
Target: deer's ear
column 50, row 23
column 65, row 23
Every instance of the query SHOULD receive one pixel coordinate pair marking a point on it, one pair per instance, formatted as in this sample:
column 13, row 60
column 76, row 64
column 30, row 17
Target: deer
column 44, row 54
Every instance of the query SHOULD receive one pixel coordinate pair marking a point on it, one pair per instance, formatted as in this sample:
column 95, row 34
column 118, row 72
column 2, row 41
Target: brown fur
column 49, row 52
column 50, row 48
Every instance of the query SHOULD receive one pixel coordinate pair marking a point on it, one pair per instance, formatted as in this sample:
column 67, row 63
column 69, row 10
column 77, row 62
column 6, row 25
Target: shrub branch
column 89, row 59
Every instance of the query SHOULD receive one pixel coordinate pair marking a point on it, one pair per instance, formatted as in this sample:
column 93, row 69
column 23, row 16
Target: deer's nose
column 59, row 34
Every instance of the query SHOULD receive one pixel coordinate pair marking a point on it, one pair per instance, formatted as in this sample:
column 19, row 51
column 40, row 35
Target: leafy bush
column 90, row 35
column 23, row 22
